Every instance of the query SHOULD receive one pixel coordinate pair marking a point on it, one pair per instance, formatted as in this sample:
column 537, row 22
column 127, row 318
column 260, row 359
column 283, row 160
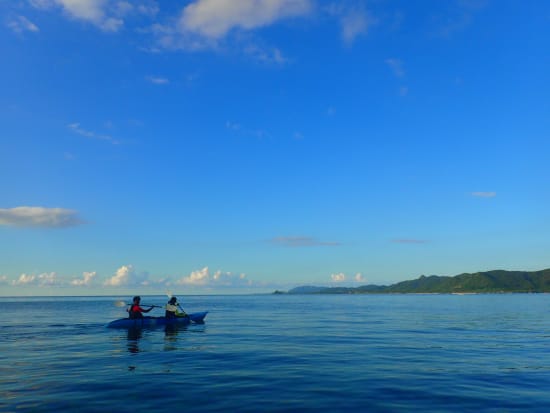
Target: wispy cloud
column 266, row 55
column 21, row 24
column 158, row 80
column 127, row 8
column 76, row 128
column 302, row 242
column 409, row 241
column 39, row 217
column 396, row 65
column 483, row 194
column 460, row 18
column 353, row 18
column 237, row 128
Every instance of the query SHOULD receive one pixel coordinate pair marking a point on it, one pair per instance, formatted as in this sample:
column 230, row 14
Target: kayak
column 197, row 318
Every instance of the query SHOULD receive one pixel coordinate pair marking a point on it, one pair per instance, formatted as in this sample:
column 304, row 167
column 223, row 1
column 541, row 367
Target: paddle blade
column 120, row 304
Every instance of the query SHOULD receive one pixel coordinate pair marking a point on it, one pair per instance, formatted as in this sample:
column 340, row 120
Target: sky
column 241, row 146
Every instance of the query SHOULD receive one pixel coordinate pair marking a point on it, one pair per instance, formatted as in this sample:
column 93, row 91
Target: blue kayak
column 197, row 318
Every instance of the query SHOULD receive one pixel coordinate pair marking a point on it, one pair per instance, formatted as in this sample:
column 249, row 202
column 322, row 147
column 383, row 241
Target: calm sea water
column 277, row 353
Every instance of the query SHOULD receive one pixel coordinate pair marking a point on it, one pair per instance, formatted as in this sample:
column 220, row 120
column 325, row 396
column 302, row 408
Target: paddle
column 184, row 314
column 124, row 304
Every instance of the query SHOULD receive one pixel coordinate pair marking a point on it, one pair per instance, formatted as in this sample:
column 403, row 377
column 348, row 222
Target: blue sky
column 224, row 146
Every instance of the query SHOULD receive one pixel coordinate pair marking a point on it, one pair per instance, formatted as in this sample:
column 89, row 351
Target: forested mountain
column 497, row 281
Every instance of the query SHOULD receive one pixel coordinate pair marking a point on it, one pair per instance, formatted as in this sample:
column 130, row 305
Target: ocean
column 280, row 353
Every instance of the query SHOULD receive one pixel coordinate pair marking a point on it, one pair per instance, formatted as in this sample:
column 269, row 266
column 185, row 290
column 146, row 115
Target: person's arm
column 146, row 311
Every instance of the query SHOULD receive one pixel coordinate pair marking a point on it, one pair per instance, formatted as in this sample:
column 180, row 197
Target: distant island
column 498, row 281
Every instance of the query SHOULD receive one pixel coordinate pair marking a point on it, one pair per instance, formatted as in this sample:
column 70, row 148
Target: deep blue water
column 275, row 353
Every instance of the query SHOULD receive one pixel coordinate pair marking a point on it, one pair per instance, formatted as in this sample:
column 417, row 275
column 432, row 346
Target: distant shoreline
column 487, row 282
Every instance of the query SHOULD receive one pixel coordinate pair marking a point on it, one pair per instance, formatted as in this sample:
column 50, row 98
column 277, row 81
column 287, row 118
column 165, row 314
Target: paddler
column 172, row 309
column 135, row 311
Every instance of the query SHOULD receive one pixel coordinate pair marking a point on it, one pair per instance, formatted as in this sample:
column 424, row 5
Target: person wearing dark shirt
column 135, row 310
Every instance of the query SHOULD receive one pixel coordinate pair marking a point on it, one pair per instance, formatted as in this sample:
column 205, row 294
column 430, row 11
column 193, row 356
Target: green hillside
column 498, row 281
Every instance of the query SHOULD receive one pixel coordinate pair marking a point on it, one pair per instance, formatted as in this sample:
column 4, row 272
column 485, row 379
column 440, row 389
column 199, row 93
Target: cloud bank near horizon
column 127, row 277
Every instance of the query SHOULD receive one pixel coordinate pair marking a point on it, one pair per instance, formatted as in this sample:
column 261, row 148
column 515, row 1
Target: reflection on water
column 171, row 332
column 171, row 336
column 134, row 334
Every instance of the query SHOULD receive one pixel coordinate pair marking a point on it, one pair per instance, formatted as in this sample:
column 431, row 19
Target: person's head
column 137, row 299
column 173, row 300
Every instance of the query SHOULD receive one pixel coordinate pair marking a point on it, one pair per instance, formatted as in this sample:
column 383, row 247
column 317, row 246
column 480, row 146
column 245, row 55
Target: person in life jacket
column 172, row 309
column 135, row 311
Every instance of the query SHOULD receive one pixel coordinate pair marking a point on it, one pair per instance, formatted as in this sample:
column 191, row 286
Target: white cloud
column 92, row 11
column 128, row 276
column 21, row 24
column 228, row 279
column 3, row 279
column 203, row 278
column 122, row 276
column 24, row 279
column 95, row 12
column 199, row 277
column 206, row 24
column 215, row 18
column 44, row 279
column 39, row 217
column 87, row 279
column 340, row 277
